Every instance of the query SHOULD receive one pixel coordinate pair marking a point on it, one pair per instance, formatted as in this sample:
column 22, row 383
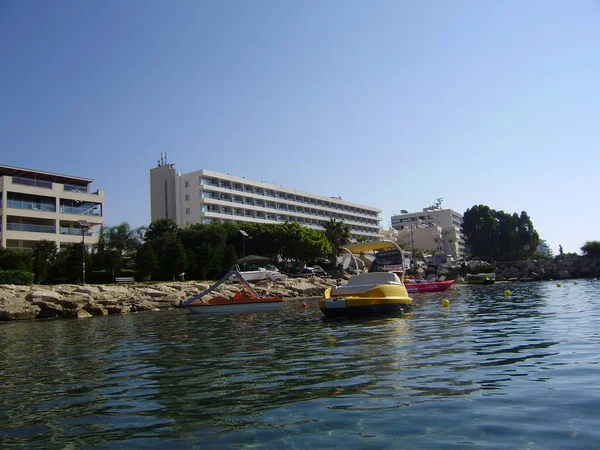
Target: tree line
column 499, row 235
column 163, row 251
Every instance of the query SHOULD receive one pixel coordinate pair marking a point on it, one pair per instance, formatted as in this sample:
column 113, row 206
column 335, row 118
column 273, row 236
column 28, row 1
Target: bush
column 16, row 277
column 591, row 248
column 99, row 277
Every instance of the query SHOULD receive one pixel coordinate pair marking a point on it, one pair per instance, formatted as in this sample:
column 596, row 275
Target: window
column 187, row 184
column 187, row 210
column 187, row 197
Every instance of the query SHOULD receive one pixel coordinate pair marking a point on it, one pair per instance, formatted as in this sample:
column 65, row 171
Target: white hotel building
column 36, row 205
column 431, row 229
column 205, row 196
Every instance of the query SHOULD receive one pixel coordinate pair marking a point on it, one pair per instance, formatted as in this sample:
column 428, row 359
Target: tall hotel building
column 36, row 205
column 205, row 196
column 432, row 229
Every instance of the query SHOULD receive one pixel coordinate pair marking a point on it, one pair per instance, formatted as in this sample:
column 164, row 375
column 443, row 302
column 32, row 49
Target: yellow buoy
column 507, row 293
column 558, row 285
column 445, row 303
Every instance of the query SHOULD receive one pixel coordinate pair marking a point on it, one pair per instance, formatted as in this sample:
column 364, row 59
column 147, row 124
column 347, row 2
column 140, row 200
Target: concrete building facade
column 433, row 229
column 206, row 196
column 36, row 205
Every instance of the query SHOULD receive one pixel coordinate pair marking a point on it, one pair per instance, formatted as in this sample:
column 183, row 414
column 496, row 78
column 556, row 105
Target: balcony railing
column 75, row 231
column 76, row 189
column 32, row 182
column 85, row 210
column 31, row 227
column 35, row 206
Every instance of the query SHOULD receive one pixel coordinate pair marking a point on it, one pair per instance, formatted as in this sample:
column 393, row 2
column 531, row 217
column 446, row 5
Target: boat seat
column 365, row 282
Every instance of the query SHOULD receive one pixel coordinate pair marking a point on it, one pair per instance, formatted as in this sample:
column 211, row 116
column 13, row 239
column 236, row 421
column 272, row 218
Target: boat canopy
column 371, row 246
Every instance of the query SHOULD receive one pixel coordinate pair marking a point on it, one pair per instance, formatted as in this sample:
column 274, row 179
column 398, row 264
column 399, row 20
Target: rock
column 47, row 309
column 43, row 295
column 74, row 302
column 95, row 310
column 114, row 289
column 118, row 309
column 562, row 274
column 86, row 290
column 144, row 305
column 15, row 288
column 17, row 309
column 152, row 292
column 78, row 313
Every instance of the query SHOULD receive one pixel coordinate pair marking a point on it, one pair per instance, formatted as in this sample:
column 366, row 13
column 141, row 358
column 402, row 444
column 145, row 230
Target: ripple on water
column 489, row 371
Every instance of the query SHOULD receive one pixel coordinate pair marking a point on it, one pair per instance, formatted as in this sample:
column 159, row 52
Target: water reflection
column 291, row 377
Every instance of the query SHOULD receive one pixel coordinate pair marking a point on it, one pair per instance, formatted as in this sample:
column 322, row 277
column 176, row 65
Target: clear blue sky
column 386, row 103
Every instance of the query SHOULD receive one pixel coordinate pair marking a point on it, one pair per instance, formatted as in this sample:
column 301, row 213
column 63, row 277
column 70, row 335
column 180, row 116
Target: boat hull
column 382, row 299
column 434, row 286
column 357, row 307
column 487, row 278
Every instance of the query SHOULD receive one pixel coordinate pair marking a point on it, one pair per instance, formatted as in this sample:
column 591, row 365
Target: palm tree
column 122, row 238
column 160, row 228
column 337, row 233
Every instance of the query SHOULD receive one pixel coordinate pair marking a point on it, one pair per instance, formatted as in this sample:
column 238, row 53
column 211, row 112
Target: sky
column 391, row 104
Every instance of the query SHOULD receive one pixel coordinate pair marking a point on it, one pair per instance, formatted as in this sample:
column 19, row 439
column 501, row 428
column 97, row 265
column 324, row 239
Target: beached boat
column 246, row 300
column 262, row 274
column 481, row 278
column 369, row 293
column 427, row 286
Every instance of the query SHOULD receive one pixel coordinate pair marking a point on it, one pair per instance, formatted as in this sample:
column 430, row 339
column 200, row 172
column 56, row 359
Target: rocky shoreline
column 80, row 301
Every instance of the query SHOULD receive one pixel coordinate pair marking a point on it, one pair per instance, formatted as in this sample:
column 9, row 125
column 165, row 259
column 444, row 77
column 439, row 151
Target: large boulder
column 562, row 274
column 48, row 309
column 42, row 294
column 95, row 309
column 118, row 309
column 149, row 292
column 120, row 290
column 14, row 308
column 87, row 289
column 78, row 313
column 74, row 302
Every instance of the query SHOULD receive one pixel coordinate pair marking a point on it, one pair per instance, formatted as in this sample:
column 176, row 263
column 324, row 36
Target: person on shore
column 560, row 251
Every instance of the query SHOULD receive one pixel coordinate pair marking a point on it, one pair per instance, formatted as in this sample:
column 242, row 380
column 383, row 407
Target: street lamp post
column 245, row 236
column 84, row 224
column 412, row 240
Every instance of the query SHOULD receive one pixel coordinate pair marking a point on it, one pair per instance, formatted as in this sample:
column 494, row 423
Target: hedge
column 16, row 277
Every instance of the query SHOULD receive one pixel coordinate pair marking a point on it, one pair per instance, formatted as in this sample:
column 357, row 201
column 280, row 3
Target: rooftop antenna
column 439, row 202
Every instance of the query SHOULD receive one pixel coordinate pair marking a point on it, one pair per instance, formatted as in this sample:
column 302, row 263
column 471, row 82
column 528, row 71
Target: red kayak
column 427, row 286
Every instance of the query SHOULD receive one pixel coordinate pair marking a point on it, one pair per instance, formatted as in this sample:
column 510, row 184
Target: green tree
column 122, row 238
column 591, row 248
column 44, row 253
column 338, row 235
column 499, row 235
column 160, row 228
column 68, row 263
column 15, row 260
column 146, row 263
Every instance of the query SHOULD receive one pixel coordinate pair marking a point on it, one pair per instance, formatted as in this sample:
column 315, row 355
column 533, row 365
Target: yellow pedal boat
column 367, row 294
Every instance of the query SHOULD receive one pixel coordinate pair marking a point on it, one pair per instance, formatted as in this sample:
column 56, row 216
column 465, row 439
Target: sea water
column 490, row 371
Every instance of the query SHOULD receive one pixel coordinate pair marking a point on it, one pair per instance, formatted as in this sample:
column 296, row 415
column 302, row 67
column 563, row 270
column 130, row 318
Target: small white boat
column 246, row 300
column 262, row 274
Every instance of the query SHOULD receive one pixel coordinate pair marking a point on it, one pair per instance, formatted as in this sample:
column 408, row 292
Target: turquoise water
column 488, row 372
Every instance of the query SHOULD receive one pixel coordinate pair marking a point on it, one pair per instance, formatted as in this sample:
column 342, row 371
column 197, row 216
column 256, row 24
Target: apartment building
column 205, row 196
column 36, row 205
column 432, row 229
